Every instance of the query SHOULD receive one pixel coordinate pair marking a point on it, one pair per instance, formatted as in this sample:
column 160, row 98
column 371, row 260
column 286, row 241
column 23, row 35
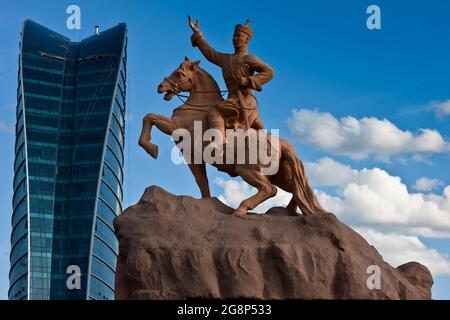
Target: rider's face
column 240, row 39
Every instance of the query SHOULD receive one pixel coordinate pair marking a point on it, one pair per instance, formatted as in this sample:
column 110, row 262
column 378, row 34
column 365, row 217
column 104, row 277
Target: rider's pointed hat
column 244, row 28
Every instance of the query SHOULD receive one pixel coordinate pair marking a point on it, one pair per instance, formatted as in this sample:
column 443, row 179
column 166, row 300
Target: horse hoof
column 152, row 150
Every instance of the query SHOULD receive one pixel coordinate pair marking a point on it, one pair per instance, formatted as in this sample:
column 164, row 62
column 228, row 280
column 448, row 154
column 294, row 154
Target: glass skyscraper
column 68, row 164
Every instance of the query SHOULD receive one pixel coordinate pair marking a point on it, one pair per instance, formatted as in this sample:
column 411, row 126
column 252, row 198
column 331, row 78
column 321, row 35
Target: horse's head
column 181, row 80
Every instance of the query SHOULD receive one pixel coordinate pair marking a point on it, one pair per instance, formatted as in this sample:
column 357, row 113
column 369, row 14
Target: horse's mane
column 209, row 77
column 205, row 94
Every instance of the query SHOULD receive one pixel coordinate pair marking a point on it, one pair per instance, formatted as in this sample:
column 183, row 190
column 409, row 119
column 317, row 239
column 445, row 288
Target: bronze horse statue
column 203, row 94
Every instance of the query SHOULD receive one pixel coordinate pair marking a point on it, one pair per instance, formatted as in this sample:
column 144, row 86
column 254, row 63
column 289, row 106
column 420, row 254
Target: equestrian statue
column 206, row 108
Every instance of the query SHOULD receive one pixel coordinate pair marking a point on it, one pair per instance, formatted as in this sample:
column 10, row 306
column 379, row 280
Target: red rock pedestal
column 178, row 247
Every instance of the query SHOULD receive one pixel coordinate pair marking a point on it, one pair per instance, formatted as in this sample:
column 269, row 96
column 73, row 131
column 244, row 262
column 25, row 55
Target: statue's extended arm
column 264, row 73
column 198, row 40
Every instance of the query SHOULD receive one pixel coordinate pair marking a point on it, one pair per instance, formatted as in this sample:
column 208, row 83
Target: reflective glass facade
column 68, row 166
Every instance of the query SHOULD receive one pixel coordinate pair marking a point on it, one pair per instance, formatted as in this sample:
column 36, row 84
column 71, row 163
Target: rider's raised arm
column 264, row 73
column 198, row 40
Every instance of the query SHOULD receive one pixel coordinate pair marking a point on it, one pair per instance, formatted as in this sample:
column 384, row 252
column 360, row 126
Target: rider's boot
column 218, row 123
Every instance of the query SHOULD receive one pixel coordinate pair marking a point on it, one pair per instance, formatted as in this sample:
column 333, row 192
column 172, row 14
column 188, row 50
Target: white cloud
column 373, row 198
column 421, row 158
column 360, row 138
column 426, row 184
column 330, row 203
column 328, row 172
column 234, row 191
column 399, row 249
column 441, row 108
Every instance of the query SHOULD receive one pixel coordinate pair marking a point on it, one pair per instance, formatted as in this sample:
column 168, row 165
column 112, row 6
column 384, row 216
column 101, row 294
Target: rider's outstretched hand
column 194, row 26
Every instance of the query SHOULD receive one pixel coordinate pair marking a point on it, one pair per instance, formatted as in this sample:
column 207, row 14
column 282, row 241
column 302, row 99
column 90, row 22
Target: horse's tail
column 302, row 192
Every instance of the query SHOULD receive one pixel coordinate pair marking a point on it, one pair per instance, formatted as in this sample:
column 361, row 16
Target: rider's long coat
column 235, row 66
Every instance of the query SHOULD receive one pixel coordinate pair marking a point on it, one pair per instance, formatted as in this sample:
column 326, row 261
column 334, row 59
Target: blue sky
column 326, row 61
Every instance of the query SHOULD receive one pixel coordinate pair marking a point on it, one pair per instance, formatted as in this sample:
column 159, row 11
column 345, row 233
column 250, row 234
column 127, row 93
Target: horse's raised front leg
column 163, row 123
column 265, row 188
column 199, row 172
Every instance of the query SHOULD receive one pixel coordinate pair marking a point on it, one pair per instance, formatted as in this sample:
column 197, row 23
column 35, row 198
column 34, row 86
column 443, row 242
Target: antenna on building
column 97, row 30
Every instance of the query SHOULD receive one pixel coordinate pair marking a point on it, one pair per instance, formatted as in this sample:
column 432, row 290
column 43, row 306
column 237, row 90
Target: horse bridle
column 176, row 92
column 176, row 85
